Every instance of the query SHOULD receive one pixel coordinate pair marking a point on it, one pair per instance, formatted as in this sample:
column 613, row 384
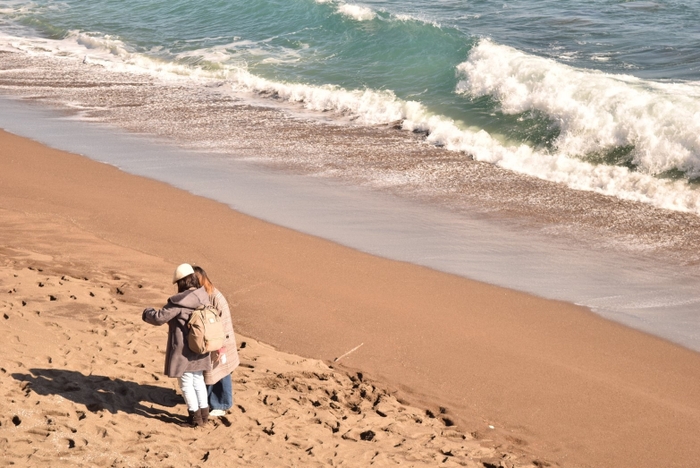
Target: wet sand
column 516, row 379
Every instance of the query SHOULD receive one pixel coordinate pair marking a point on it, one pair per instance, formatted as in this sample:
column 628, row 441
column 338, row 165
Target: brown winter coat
column 178, row 356
column 220, row 370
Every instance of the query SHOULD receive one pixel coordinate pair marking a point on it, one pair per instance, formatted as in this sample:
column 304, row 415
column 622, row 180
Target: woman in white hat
column 180, row 361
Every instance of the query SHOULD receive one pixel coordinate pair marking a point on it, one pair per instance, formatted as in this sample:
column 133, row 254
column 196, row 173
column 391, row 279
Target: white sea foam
column 407, row 18
column 353, row 11
column 107, row 51
column 100, row 42
column 609, row 180
column 357, row 12
column 237, row 51
column 368, row 106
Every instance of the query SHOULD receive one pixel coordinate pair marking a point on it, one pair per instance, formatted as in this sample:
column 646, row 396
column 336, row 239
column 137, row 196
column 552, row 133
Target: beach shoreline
column 628, row 281
column 554, row 380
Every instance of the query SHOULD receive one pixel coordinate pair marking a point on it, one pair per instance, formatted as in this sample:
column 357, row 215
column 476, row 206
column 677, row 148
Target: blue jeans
column 221, row 394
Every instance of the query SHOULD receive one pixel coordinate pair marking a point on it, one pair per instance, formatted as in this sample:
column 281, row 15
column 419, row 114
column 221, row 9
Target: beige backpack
column 206, row 330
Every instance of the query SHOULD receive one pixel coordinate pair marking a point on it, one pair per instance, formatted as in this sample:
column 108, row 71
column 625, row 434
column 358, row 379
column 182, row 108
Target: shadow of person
column 98, row 392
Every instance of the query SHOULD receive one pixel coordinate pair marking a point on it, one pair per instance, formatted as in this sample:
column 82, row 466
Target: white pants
column 194, row 390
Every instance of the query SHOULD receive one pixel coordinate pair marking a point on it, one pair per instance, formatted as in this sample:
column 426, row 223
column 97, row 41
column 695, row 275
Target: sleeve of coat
column 159, row 317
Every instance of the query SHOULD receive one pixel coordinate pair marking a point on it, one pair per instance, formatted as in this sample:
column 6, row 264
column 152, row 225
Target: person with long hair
column 225, row 360
column 180, row 361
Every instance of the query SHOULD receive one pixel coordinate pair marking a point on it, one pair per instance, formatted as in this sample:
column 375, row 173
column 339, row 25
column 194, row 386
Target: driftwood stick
column 352, row 350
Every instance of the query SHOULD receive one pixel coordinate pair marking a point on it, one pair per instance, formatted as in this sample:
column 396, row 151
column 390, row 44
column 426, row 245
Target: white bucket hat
column 181, row 271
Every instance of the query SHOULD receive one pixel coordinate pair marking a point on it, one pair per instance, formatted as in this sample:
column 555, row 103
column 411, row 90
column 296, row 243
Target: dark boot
column 205, row 415
column 194, row 418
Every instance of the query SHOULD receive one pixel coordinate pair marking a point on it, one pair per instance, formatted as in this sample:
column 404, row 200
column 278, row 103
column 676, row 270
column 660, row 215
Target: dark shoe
column 205, row 415
column 194, row 418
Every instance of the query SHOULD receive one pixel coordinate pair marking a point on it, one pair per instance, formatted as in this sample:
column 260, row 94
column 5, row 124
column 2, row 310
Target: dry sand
column 82, row 387
column 450, row 371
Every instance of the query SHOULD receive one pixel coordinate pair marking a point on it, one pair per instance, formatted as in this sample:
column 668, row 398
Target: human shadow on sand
column 98, row 393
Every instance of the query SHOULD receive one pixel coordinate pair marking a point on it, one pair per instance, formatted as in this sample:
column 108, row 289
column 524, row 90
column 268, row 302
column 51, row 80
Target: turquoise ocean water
column 600, row 96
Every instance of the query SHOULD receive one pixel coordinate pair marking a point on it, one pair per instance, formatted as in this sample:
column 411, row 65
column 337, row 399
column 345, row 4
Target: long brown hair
column 204, row 279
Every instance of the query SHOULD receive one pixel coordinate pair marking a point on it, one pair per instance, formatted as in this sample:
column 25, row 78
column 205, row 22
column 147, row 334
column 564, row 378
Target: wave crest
column 595, row 112
column 357, row 12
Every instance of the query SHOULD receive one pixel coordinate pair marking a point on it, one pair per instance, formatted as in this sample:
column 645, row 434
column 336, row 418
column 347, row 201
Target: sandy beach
column 448, row 371
column 83, row 386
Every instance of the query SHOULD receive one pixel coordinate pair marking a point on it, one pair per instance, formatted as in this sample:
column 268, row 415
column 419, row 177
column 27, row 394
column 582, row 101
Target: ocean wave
column 596, row 113
column 556, row 167
column 99, row 42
